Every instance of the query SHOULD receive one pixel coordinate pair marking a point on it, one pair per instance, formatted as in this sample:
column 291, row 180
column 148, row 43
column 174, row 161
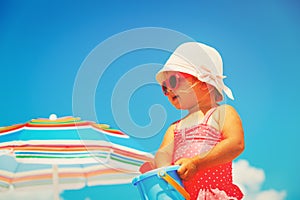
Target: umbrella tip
column 53, row 117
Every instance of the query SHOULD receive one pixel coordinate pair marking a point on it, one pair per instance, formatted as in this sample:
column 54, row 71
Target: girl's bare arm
column 164, row 154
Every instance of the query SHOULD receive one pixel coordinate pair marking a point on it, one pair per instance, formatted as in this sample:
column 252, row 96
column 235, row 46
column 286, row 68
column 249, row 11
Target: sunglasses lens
column 173, row 81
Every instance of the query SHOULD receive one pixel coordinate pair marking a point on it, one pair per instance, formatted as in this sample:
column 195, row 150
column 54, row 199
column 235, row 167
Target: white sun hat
column 199, row 60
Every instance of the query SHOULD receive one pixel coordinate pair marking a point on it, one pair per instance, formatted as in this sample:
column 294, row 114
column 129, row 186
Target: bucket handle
column 172, row 182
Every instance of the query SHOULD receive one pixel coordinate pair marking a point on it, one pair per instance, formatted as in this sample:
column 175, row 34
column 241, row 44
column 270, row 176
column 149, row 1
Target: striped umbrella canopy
column 67, row 153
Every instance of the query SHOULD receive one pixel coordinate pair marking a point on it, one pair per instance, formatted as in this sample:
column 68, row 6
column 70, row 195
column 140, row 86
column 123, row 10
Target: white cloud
column 250, row 179
column 271, row 194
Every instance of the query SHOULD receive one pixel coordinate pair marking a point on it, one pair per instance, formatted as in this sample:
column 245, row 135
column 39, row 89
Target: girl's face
column 181, row 89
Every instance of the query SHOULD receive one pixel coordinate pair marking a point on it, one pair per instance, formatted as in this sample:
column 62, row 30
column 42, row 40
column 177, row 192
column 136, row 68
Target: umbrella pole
column 55, row 182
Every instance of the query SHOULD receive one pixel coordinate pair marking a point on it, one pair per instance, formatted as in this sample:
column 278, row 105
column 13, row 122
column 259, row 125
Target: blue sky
column 45, row 43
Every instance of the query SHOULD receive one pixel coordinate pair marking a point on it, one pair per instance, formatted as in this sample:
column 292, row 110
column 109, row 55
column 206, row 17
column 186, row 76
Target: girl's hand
column 187, row 169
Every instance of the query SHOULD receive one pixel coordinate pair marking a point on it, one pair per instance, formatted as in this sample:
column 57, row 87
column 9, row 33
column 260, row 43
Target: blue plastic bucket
column 153, row 187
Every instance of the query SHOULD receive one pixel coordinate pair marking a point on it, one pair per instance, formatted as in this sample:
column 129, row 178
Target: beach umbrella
column 67, row 153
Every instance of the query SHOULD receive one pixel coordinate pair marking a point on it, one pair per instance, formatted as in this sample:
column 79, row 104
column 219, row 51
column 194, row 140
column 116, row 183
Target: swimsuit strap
column 208, row 114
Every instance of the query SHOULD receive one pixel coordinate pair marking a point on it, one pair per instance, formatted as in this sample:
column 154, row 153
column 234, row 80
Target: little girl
column 205, row 142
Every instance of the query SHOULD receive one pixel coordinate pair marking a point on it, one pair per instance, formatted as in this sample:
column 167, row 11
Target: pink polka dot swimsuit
column 211, row 184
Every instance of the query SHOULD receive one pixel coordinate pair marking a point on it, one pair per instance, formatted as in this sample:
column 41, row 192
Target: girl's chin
column 176, row 105
column 179, row 106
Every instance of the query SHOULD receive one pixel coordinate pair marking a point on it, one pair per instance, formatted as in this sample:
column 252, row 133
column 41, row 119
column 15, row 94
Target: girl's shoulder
column 222, row 112
column 174, row 126
column 224, row 109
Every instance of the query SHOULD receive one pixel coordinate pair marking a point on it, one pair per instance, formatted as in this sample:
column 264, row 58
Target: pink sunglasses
column 172, row 82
